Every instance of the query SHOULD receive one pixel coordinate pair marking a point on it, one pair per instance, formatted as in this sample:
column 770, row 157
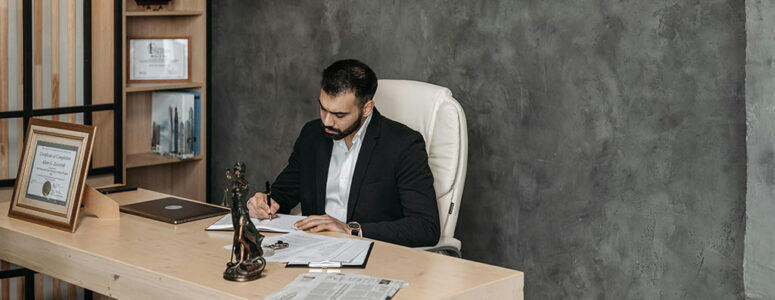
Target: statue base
column 247, row 271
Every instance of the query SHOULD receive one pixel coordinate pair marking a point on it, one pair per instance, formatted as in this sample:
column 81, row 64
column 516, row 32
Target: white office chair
column 431, row 110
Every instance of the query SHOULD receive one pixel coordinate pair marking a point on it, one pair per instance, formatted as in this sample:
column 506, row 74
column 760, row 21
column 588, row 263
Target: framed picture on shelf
column 158, row 59
column 52, row 173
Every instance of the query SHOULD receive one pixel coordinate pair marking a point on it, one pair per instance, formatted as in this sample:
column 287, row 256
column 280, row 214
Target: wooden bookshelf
column 149, row 87
column 181, row 177
column 149, row 159
column 167, row 13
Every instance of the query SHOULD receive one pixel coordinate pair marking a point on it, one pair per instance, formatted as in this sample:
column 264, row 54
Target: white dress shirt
column 340, row 173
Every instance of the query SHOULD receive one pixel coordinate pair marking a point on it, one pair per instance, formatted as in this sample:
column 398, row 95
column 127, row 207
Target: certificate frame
column 52, row 173
column 136, row 44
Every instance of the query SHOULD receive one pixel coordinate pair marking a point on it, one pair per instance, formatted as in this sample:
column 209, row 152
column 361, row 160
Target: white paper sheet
column 338, row 286
column 304, row 248
column 280, row 223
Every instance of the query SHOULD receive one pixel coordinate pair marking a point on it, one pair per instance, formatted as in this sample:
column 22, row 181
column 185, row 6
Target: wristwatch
column 355, row 228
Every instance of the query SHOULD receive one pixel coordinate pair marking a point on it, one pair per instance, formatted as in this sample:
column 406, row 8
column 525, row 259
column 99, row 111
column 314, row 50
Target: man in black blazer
column 354, row 170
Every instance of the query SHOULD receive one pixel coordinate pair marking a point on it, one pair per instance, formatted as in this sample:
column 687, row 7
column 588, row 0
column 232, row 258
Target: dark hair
column 350, row 75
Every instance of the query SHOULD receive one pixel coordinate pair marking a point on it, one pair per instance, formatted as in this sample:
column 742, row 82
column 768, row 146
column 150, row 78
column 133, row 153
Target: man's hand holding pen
column 262, row 206
column 259, row 209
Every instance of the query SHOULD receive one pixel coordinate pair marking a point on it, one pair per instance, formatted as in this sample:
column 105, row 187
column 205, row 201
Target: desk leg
column 29, row 285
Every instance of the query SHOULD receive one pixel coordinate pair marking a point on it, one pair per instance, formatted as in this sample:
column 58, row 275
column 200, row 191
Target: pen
column 325, row 264
column 268, row 196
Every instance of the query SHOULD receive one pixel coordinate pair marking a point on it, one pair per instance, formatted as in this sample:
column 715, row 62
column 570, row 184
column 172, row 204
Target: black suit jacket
column 391, row 194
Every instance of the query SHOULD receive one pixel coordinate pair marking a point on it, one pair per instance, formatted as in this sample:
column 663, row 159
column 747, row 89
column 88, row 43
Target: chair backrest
column 431, row 110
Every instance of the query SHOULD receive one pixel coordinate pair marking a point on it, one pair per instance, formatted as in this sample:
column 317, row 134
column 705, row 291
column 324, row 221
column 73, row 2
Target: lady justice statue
column 246, row 261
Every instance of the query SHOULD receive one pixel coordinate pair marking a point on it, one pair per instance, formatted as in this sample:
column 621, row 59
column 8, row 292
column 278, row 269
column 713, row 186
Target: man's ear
column 368, row 108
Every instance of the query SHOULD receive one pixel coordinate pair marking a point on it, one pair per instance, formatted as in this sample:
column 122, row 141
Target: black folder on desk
column 174, row 210
column 332, row 264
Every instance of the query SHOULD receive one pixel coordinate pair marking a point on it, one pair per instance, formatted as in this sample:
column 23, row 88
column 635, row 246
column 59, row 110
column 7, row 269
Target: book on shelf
column 176, row 123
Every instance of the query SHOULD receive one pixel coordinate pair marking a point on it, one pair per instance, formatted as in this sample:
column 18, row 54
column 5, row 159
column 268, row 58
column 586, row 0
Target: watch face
column 355, row 228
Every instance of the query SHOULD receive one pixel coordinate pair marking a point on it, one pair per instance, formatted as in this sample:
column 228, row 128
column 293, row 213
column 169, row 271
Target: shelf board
column 167, row 13
column 137, row 160
column 145, row 87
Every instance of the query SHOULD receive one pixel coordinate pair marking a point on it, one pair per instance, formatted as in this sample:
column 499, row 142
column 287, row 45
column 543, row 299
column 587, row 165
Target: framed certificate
column 158, row 59
column 52, row 173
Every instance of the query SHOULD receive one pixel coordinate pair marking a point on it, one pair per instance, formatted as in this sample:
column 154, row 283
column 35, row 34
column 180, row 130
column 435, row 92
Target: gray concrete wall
column 607, row 138
column 759, row 263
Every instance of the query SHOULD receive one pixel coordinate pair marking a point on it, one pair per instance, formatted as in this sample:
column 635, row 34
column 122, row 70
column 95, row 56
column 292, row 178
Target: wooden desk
column 138, row 258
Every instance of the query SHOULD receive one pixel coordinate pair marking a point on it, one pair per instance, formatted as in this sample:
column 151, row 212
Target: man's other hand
column 321, row 223
column 259, row 209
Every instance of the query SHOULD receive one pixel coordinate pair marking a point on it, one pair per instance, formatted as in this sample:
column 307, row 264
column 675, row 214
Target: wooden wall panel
column 20, row 293
column 57, row 288
column 102, row 52
column 37, row 53
column 19, row 144
column 9, row 82
column 54, row 55
column 19, row 52
column 5, row 290
column 100, row 180
column 57, row 55
column 180, row 179
column 102, row 70
column 4, row 161
column 71, row 88
column 103, row 80
column 38, row 286
column 138, row 123
column 102, row 155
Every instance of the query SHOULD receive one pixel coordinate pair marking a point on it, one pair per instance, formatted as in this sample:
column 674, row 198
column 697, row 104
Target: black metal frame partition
column 208, row 106
column 87, row 108
column 29, row 280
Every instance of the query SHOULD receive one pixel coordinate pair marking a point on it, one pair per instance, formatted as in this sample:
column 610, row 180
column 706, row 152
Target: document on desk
column 338, row 286
column 312, row 250
column 280, row 223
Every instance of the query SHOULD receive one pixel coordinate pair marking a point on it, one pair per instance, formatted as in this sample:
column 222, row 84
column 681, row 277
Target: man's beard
column 340, row 134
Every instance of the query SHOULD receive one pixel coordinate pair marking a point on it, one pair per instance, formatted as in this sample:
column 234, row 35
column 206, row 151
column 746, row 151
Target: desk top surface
column 185, row 257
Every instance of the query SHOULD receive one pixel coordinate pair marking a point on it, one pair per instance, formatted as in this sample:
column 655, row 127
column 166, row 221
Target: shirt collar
column 362, row 131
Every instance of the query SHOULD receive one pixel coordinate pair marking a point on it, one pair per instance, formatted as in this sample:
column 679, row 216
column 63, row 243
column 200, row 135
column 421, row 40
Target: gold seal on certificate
column 52, row 173
column 159, row 60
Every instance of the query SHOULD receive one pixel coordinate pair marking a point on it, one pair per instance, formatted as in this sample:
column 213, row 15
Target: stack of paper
column 317, row 250
column 338, row 286
column 280, row 223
